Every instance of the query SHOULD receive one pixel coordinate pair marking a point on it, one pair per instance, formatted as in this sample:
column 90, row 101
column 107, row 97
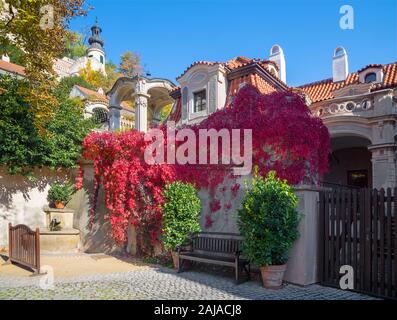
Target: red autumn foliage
column 133, row 188
column 215, row 205
column 286, row 138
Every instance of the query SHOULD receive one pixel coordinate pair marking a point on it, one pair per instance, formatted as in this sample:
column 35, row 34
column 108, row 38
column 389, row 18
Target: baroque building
column 359, row 108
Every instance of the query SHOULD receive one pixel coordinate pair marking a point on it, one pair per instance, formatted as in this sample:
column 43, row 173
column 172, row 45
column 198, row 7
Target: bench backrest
column 225, row 244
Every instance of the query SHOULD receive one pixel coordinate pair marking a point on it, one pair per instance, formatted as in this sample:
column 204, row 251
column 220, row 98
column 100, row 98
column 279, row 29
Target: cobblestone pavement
column 161, row 283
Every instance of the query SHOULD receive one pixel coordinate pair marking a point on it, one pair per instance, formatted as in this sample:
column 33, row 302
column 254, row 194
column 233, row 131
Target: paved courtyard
column 150, row 283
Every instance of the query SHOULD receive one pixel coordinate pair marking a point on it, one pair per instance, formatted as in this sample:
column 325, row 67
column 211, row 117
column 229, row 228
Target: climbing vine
column 286, row 138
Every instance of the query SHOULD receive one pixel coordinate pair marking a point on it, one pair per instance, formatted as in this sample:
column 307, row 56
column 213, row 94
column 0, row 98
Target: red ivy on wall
column 286, row 137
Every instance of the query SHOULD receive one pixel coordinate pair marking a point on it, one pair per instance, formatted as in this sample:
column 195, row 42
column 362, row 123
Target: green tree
column 75, row 46
column 38, row 28
column 15, row 54
column 22, row 147
column 181, row 214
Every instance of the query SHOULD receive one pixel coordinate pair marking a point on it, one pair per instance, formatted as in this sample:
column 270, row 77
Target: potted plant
column 181, row 212
column 268, row 221
column 60, row 194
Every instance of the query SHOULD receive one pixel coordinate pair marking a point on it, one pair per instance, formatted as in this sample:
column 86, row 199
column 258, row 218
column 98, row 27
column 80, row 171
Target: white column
column 115, row 118
column 141, row 105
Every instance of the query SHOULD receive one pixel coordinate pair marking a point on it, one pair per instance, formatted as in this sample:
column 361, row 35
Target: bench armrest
column 188, row 242
column 238, row 253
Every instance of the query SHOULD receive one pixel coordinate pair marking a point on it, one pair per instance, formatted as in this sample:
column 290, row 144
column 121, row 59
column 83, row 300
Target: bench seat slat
column 209, row 259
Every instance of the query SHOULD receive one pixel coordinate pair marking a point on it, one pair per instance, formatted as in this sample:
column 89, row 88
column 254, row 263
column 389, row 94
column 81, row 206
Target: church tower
column 96, row 51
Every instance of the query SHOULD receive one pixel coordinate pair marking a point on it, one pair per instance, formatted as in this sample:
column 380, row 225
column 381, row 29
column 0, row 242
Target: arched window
column 100, row 115
column 370, row 77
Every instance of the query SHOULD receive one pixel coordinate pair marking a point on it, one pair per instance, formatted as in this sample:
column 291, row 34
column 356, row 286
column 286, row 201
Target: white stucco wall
column 22, row 201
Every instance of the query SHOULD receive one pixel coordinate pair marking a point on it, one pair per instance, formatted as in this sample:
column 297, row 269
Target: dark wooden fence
column 358, row 228
column 24, row 246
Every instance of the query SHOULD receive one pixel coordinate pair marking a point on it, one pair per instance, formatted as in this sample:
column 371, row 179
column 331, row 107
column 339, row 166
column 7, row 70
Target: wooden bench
column 215, row 248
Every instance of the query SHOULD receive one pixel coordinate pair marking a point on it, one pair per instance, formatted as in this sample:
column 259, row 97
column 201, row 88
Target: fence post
column 37, row 250
column 321, row 235
column 303, row 263
column 9, row 242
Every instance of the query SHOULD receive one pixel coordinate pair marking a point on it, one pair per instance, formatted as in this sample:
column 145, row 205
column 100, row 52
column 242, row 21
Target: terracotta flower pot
column 59, row 205
column 175, row 259
column 272, row 276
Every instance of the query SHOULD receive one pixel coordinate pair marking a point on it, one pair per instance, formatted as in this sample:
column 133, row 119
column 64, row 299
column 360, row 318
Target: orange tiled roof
column 12, row 67
column 233, row 64
column 323, row 90
column 208, row 63
column 94, row 94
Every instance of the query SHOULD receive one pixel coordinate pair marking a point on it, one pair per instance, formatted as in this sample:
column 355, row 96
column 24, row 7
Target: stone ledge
column 307, row 187
column 61, row 232
column 65, row 210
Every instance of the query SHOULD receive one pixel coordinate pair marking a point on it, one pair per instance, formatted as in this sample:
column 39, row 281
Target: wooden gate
column 358, row 229
column 24, row 246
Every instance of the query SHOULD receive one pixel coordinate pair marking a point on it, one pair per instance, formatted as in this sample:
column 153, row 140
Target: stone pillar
column 141, row 105
column 115, row 118
column 302, row 268
column 383, row 165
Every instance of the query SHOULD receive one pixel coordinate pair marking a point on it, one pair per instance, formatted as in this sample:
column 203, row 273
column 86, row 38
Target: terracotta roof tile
column 323, row 90
column 11, row 67
column 208, row 63
column 94, row 94
column 234, row 63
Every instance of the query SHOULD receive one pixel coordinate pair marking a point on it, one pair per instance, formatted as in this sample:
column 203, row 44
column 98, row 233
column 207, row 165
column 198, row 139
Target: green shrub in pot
column 268, row 220
column 60, row 194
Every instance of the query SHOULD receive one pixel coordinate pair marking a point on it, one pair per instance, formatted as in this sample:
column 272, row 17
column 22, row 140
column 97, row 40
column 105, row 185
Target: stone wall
column 22, row 199
column 224, row 219
column 302, row 267
column 95, row 238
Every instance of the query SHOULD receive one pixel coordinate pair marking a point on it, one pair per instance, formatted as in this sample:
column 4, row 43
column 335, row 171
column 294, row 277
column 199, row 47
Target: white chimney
column 5, row 58
column 277, row 55
column 340, row 65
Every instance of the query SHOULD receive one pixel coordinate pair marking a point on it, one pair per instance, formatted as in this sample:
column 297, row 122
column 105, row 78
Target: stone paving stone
column 162, row 284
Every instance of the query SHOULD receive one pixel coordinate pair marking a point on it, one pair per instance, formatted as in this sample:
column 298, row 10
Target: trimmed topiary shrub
column 268, row 221
column 181, row 212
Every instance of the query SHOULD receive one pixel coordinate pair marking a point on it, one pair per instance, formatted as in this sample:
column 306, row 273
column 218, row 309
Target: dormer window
column 371, row 74
column 370, row 77
column 200, row 101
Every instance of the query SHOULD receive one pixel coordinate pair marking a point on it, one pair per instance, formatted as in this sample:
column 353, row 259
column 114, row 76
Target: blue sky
column 171, row 34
